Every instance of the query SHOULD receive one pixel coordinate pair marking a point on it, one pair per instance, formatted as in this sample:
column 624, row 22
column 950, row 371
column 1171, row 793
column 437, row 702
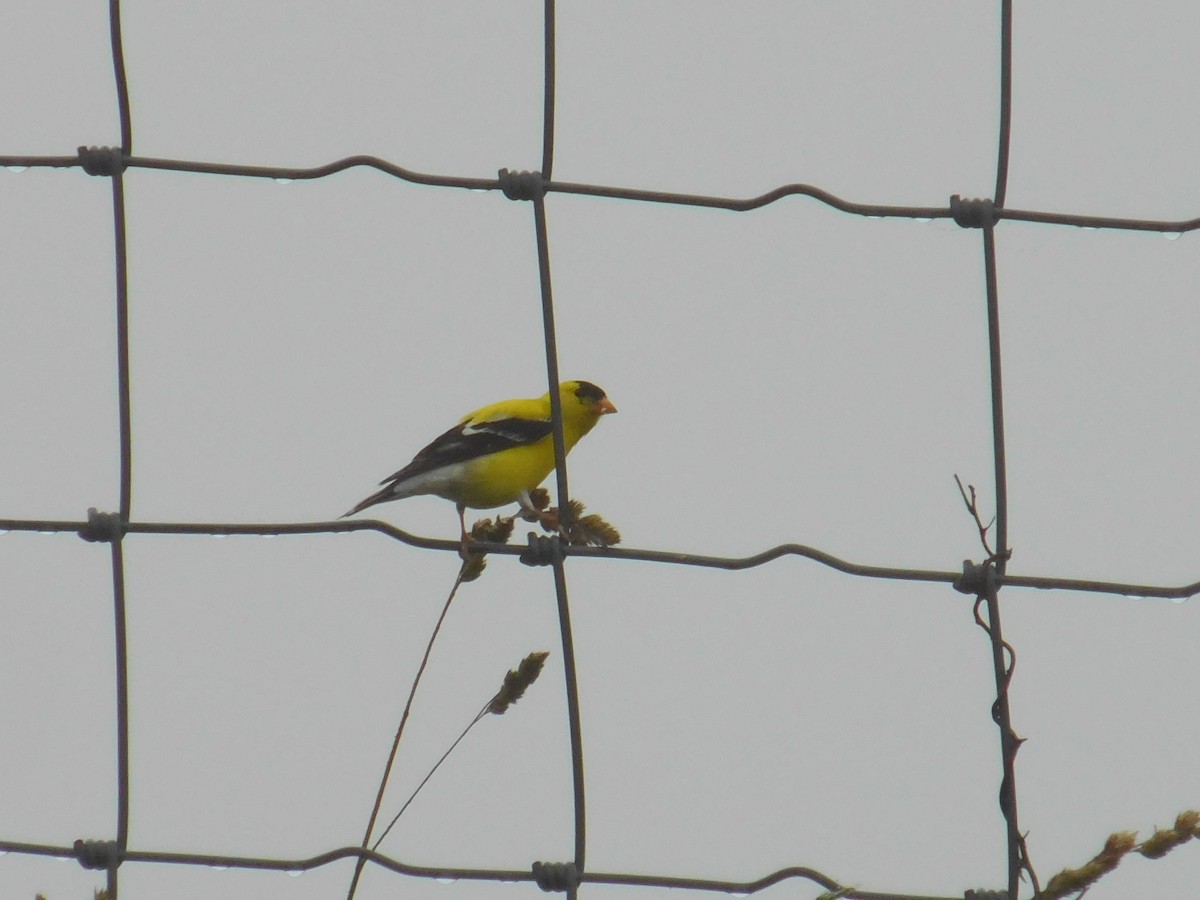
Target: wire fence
column 984, row 579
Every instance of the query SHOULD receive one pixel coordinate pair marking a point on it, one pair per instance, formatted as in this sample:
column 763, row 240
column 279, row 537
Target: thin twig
column 387, row 769
column 413, row 796
column 972, row 503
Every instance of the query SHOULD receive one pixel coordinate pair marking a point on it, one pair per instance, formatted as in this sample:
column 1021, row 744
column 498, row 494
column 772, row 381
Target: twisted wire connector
column 102, row 160
column 522, row 185
column 556, row 876
column 542, row 550
column 97, row 854
column 976, row 579
column 106, row 527
column 972, row 213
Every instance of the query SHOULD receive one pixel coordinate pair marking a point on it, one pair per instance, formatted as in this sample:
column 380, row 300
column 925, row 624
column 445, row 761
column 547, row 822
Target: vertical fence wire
column 1018, row 861
column 125, row 426
column 550, row 336
column 1006, row 26
column 560, row 577
column 548, row 103
column 1002, row 671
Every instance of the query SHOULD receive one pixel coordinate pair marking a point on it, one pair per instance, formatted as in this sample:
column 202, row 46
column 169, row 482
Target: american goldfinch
column 497, row 454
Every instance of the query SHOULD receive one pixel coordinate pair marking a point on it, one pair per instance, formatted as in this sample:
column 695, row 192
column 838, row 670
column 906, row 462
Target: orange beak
column 605, row 406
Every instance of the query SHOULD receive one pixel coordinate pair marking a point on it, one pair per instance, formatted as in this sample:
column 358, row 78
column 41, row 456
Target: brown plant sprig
column 513, row 688
column 1164, row 840
column 582, row 531
column 495, row 532
column 1116, row 848
column 516, row 682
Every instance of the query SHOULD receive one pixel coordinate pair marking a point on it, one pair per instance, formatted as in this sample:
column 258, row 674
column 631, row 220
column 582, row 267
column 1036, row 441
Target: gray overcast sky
column 787, row 374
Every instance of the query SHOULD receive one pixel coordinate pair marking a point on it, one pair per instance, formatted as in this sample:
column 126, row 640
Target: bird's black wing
column 465, row 442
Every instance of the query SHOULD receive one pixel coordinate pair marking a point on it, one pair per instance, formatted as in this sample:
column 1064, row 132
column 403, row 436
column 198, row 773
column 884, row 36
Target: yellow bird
column 495, row 455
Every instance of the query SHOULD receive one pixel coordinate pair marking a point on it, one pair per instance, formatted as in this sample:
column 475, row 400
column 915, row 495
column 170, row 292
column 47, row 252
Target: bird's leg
column 464, row 538
column 547, row 518
column 527, row 510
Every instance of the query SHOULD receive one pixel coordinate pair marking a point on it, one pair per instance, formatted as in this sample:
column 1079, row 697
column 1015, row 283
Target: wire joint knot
column 556, row 876
column 542, row 550
column 522, row 185
column 97, row 854
column 107, row 161
column 102, row 527
column 977, row 578
column 973, row 212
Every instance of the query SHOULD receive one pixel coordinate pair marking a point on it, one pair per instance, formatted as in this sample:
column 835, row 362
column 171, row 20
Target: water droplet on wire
column 1180, row 600
column 1172, row 235
column 446, row 880
column 16, row 168
column 283, row 180
column 295, row 873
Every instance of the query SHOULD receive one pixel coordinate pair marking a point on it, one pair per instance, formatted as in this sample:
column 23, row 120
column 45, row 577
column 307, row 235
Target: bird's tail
column 386, row 493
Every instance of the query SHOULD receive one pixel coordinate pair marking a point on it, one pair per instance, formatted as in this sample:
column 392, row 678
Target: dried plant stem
column 513, row 689
column 972, row 503
column 387, row 769
column 411, row 797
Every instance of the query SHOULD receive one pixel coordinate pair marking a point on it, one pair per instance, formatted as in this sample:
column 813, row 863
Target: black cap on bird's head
column 588, row 393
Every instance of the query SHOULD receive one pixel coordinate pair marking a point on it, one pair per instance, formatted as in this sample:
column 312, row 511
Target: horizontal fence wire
column 89, row 853
column 984, row 579
column 501, row 182
column 966, row 578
